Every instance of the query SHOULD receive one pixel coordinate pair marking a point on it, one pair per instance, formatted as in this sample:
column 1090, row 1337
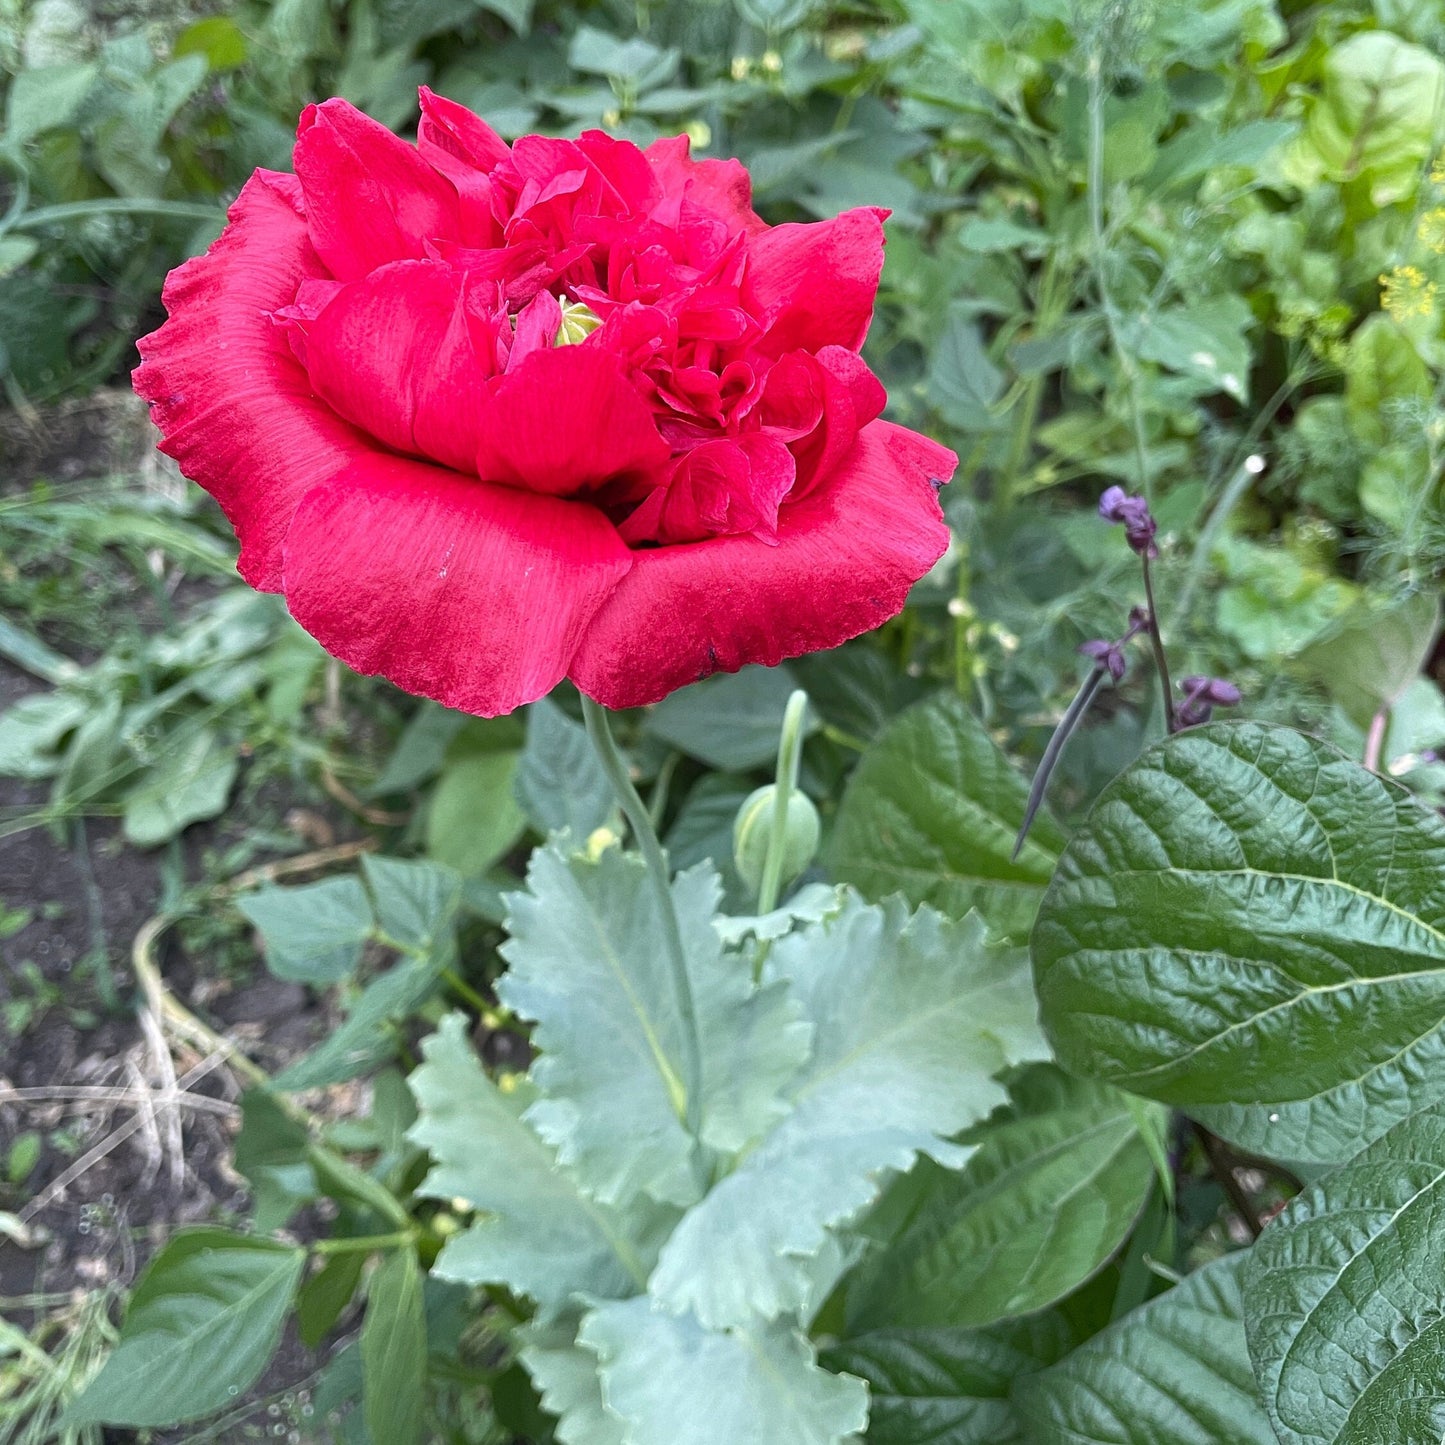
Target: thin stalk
column 1375, row 738
column 790, row 749
column 599, row 729
column 1230, row 497
column 1161, row 662
column 365, row 1243
column 115, row 206
column 1065, row 730
column 1095, row 197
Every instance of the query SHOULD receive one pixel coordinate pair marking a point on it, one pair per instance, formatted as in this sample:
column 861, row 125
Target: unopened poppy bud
column 1116, row 505
column 1107, row 655
column 753, row 827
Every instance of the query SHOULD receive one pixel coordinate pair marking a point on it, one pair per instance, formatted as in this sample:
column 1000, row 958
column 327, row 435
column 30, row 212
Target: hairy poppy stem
column 790, row 748
column 599, row 729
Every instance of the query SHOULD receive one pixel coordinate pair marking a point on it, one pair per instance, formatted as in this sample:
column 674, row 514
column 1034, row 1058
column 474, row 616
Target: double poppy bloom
column 491, row 416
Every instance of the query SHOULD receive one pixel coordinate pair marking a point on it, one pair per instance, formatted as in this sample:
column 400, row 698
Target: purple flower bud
column 1202, row 695
column 1107, row 655
column 1116, row 505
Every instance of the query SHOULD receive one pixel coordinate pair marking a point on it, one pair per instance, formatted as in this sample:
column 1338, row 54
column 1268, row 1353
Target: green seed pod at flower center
column 579, row 321
column 753, row 827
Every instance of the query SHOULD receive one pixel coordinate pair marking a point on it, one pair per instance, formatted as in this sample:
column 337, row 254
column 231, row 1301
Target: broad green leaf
column 474, row 816
column 539, row 1235
column 272, row 1152
column 421, row 751
column 674, row 1383
column 1345, row 1299
column 560, row 783
column 311, row 934
column 1046, row 1198
column 963, row 383
column 367, row 1038
column 202, row 1323
column 730, row 721
column 948, row 1386
column 1205, row 339
column 1374, row 116
column 189, row 782
column 218, row 38
column 393, row 1351
column 416, row 902
column 322, row 1298
column 1174, row 1371
column 1376, row 653
column 42, row 98
column 932, row 811
column 589, row 961
column 565, row 1375
column 31, row 731
column 1249, row 919
column 913, row 1016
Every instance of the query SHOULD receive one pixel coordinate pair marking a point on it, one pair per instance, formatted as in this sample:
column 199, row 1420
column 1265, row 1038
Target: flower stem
column 790, row 748
column 1161, row 662
column 599, row 729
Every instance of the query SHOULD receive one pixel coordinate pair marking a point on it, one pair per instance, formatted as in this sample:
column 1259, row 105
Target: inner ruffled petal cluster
column 713, row 376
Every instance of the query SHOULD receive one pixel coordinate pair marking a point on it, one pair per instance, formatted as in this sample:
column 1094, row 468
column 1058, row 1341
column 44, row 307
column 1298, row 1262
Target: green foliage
column 1052, row 1189
column 202, row 1322
column 1343, row 1296
column 154, row 732
column 949, row 1385
column 872, row 1037
column 393, row 1351
column 1177, row 1369
column 1251, row 922
column 1193, row 248
column 932, row 810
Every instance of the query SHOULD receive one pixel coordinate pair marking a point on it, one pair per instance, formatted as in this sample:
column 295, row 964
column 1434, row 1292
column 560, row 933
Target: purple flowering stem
column 1161, row 662
column 1065, row 730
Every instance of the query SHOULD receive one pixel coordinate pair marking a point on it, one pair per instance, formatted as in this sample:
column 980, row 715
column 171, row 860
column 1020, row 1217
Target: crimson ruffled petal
column 234, row 405
column 567, row 420
column 845, row 558
column 370, row 197
column 407, row 354
column 721, row 186
column 465, row 149
column 815, row 282
column 471, row 594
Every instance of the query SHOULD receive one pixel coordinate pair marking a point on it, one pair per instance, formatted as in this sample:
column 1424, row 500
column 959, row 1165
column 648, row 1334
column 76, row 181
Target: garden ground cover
column 1195, row 251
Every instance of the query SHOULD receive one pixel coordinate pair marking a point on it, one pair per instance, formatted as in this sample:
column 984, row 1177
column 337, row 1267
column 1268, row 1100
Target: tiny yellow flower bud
column 599, row 841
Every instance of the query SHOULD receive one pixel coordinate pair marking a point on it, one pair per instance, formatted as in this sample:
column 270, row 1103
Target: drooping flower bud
column 1116, row 505
column 753, row 826
column 1202, row 695
column 1108, row 655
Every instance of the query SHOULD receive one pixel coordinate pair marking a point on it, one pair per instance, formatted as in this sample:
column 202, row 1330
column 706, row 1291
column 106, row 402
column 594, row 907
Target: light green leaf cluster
column 676, row 1278
column 315, row 934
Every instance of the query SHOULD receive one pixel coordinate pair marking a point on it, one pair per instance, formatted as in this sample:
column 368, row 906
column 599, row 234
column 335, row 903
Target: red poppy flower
column 490, row 416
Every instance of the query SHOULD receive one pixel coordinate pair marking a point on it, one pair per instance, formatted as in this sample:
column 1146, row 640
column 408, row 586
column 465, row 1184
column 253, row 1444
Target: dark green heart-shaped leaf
column 1175, row 1371
column 932, row 812
column 1252, row 927
column 1345, row 1298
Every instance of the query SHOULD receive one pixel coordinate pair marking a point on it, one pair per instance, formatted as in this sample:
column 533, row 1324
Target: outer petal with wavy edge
column 845, row 558
column 236, row 409
column 472, row 594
